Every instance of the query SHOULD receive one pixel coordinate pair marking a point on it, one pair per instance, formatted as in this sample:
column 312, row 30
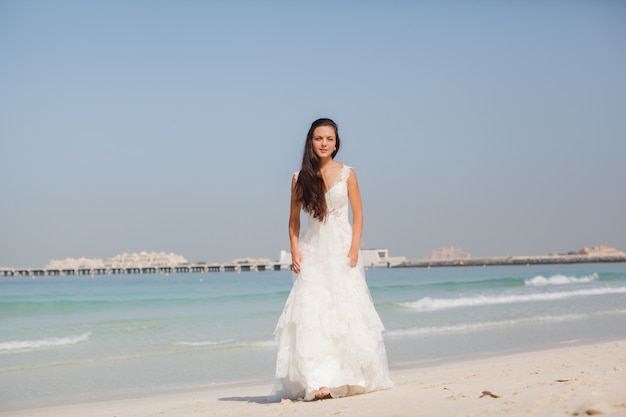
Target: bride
column 329, row 334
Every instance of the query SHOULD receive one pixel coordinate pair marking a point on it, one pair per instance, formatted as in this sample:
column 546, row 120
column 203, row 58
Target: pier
column 160, row 270
column 165, row 264
column 512, row 260
column 370, row 259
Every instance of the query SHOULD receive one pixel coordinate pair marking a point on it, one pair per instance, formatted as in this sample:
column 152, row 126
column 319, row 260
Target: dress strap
column 345, row 173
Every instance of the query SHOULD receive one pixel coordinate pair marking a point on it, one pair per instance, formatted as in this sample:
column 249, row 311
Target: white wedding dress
column 329, row 333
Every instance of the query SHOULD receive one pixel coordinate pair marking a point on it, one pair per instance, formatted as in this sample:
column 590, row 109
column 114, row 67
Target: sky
column 495, row 126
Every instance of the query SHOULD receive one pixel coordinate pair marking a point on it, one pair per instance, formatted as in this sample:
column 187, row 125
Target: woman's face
column 324, row 141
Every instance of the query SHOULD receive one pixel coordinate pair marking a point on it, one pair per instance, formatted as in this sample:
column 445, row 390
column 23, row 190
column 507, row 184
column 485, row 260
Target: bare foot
column 322, row 393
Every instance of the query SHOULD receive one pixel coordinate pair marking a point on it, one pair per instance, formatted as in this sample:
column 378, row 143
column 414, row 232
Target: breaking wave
column 474, row 327
column 540, row 280
column 230, row 344
column 14, row 345
column 429, row 304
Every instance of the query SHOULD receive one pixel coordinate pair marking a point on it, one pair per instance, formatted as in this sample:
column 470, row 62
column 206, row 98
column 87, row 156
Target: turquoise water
column 67, row 339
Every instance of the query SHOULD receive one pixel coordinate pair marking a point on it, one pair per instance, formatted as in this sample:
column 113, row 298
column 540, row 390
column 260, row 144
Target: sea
column 80, row 339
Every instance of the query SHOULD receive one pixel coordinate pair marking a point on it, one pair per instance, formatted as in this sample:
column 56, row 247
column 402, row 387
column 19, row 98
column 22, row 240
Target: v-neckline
column 333, row 186
column 338, row 180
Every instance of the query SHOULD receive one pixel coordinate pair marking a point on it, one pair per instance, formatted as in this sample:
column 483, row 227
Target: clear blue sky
column 495, row 126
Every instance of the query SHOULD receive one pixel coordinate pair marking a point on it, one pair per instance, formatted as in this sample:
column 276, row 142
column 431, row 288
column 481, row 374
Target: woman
column 329, row 335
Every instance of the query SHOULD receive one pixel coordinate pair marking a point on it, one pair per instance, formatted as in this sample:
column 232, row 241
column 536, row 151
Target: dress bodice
column 334, row 233
column 337, row 199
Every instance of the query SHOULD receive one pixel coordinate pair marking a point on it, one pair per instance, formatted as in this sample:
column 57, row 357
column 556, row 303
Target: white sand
column 572, row 380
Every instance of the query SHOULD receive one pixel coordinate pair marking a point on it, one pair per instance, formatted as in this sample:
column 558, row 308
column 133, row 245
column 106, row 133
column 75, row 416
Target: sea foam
column 429, row 304
column 14, row 345
column 540, row 280
column 485, row 325
column 231, row 344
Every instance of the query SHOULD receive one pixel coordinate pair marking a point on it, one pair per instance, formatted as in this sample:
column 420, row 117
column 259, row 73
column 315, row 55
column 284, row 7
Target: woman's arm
column 357, row 218
column 294, row 227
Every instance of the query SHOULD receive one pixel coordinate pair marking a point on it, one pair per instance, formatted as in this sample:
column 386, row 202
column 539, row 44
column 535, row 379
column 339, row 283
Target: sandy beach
column 566, row 381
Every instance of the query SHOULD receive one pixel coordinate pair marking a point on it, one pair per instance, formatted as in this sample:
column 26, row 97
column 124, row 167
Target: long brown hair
column 310, row 188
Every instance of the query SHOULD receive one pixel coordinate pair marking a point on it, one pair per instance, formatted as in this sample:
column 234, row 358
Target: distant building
column 145, row 259
column 449, row 253
column 253, row 261
column 125, row 260
column 285, row 259
column 600, row 250
column 71, row 263
column 371, row 258
column 377, row 258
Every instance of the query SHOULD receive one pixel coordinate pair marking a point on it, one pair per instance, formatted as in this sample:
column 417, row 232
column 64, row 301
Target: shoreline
column 512, row 260
column 206, row 268
column 577, row 377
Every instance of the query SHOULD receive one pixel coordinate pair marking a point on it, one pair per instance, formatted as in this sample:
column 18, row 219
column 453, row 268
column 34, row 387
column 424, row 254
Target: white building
column 371, row 258
column 71, row 263
column 145, row 259
column 601, row 250
column 377, row 258
column 125, row 260
column 449, row 253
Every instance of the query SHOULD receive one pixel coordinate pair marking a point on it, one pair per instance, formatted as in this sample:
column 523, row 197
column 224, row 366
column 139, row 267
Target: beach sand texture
column 574, row 380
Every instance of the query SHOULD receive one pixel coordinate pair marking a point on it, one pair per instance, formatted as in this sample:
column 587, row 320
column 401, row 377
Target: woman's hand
column 296, row 260
column 357, row 218
column 353, row 257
